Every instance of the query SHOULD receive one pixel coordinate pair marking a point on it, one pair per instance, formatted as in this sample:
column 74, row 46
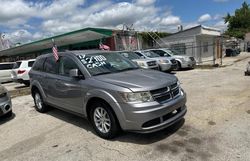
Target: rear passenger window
column 6, row 66
column 51, row 66
column 16, row 65
column 66, row 64
column 30, row 63
column 38, row 65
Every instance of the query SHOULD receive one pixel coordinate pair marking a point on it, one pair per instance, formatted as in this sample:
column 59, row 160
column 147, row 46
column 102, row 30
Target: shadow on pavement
column 135, row 138
column 4, row 119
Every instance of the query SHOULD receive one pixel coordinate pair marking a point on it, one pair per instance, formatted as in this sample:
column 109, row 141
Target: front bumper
column 188, row 64
column 153, row 116
column 165, row 66
column 5, row 105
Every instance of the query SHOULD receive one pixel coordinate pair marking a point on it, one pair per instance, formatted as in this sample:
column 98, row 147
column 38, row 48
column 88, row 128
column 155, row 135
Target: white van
column 5, row 71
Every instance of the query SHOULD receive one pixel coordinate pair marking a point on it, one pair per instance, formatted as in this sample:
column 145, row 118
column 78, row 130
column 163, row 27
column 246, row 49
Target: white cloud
column 204, row 18
column 221, row 25
column 171, row 20
column 15, row 12
column 145, row 2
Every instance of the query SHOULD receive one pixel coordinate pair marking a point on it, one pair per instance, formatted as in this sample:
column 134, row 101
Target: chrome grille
column 165, row 94
column 151, row 63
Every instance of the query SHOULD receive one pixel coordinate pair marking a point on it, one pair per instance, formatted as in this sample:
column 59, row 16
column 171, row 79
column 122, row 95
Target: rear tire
column 104, row 120
column 40, row 106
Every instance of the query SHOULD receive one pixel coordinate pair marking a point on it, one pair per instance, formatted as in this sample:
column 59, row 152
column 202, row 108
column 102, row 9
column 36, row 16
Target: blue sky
column 28, row 20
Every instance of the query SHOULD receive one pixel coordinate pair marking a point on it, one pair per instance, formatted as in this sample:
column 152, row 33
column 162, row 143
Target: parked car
column 5, row 69
column 20, row 71
column 5, row 102
column 108, row 89
column 165, row 63
column 144, row 63
column 183, row 61
column 247, row 72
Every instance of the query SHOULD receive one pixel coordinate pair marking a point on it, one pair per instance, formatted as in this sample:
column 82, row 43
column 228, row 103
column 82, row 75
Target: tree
column 239, row 23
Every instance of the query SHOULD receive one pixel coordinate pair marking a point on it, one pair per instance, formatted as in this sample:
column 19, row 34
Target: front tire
column 104, row 120
column 40, row 106
column 178, row 66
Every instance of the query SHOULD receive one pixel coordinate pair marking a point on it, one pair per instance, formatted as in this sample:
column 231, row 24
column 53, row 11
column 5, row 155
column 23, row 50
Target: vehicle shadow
column 22, row 86
column 4, row 119
column 142, row 139
column 131, row 137
column 71, row 118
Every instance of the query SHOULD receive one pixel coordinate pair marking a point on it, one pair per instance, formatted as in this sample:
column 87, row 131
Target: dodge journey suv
column 111, row 91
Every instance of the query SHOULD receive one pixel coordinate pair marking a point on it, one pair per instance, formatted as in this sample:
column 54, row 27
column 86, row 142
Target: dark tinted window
column 66, row 64
column 16, row 65
column 6, row 66
column 160, row 52
column 50, row 65
column 30, row 63
column 38, row 65
column 139, row 54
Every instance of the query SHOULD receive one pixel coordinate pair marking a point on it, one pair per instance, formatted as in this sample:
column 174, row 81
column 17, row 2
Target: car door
column 69, row 90
column 50, row 89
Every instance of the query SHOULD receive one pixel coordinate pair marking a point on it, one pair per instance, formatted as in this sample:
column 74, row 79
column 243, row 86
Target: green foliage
column 239, row 23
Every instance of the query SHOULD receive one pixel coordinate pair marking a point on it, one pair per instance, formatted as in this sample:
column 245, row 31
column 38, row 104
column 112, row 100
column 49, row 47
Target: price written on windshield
column 92, row 61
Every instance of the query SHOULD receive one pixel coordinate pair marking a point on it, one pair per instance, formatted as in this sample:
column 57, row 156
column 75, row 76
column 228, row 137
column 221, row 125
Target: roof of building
column 78, row 36
column 195, row 27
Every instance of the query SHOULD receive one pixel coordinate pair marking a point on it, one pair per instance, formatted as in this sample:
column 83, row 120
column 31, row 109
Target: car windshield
column 105, row 63
column 130, row 55
column 151, row 54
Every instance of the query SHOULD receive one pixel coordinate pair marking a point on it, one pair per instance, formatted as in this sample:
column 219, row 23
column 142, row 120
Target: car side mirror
column 74, row 73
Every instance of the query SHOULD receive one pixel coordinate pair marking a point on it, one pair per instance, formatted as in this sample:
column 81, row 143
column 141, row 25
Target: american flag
column 55, row 51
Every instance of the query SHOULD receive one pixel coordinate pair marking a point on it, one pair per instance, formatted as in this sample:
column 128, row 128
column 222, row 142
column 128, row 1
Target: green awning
column 74, row 37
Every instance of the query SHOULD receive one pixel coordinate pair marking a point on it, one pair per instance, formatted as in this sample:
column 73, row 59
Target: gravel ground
column 216, row 127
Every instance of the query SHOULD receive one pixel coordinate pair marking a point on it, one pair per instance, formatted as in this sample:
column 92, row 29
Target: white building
column 200, row 41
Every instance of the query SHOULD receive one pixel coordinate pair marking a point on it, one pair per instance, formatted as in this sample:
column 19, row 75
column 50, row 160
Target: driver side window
column 66, row 64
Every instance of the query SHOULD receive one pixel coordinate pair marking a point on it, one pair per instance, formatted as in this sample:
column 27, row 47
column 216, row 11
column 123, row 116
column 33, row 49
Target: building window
column 205, row 47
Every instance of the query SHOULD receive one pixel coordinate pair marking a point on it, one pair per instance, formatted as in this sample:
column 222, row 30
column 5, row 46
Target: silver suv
column 183, row 61
column 108, row 89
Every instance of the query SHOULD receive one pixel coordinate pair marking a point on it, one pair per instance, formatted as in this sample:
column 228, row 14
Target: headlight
column 164, row 61
column 186, row 58
column 141, row 64
column 137, row 97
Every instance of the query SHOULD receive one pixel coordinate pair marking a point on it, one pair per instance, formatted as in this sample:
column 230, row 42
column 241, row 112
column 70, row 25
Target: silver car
column 165, row 63
column 183, row 61
column 144, row 63
column 5, row 102
column 108, row 89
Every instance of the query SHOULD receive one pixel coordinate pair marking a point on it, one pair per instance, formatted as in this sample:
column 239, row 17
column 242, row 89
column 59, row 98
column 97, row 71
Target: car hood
column 181, row 56
column 139, row 80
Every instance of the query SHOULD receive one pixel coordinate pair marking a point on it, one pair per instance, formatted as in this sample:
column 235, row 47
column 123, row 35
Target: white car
column 5, row 69
column 165, row 63
column 183, row 61
column 20, row 71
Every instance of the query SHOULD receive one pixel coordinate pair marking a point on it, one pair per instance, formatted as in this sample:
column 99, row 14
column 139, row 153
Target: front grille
column 3, row 95
column 152, row 122
column 151, row 63
column 165, row 94
column 191, row 58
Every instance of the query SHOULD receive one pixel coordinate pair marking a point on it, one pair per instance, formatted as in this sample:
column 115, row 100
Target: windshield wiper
column 102, row 73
